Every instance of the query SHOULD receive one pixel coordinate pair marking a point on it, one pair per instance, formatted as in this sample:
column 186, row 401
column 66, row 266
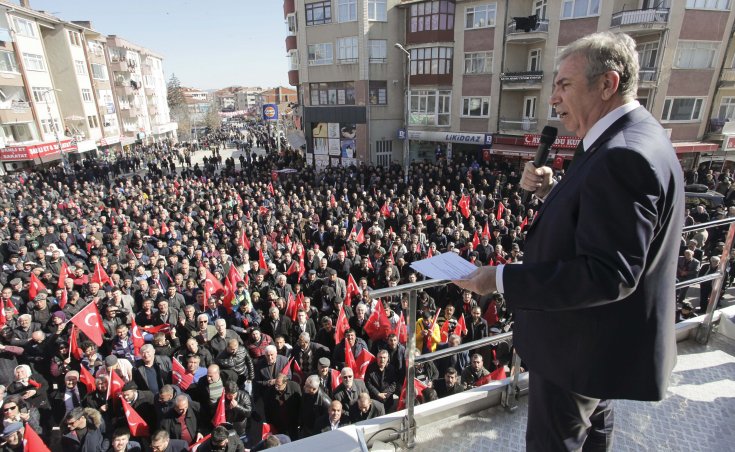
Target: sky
column 207, row 44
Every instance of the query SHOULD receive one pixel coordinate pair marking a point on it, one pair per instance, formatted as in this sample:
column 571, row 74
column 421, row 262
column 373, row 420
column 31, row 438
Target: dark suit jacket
column 263, row 374
column 599, row 268
column 172, row 426
column 347, row 399
column 162, row 364
column 283, row 327
column 177, row 445
column 376, row 409
column 322, row 423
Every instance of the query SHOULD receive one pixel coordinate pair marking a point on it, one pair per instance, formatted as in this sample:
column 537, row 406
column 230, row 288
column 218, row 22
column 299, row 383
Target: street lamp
column 407, row 109
column 64, row 162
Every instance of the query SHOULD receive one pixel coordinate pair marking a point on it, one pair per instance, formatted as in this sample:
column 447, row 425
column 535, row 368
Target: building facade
column 481, row 72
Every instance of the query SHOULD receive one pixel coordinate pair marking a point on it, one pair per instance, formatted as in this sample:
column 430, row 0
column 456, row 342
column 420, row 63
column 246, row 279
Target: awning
column 43, row 151
column 697, row 146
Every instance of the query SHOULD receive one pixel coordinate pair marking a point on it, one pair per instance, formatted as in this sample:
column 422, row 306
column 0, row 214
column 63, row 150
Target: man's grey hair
column 306, row 337
column 147, row 347
column 271, row 349
column 312, row 381
column 607, row 51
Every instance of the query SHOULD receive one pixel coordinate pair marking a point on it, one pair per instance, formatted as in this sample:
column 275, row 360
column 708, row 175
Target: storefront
column 109, row 147
column 428, row 146
column 16, row 158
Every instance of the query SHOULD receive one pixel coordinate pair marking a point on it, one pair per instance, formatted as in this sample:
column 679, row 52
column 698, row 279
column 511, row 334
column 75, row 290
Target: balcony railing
column 543, row 27
column 640, row 16
column 5, row 36
column 15, row 105
column 524, row 124
column 525, row 77
column 648, row 74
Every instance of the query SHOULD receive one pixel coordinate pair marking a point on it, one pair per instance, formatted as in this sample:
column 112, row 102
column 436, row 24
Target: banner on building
column 270, row 112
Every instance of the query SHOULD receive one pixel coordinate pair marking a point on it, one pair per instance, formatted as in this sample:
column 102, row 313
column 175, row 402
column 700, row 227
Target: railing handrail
column 463, row 347
column 709, row 224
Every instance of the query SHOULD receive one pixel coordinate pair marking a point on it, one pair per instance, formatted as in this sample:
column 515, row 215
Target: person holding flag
column 428, row 333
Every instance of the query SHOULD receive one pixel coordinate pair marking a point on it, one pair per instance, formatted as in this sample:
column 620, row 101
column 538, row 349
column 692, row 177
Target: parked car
column 696, row 194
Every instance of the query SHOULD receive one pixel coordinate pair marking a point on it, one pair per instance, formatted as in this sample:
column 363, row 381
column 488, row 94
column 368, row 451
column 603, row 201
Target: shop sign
column 562, row 142
column 35, row 151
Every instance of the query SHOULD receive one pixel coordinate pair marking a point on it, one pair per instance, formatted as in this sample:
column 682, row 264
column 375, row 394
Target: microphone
column 548, row 136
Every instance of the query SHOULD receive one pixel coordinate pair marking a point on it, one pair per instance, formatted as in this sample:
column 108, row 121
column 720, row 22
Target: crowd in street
column 234, row 298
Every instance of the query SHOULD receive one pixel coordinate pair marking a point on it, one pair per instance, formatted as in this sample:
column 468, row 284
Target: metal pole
column 409, row 424
column 704, row 330
column 406, row 142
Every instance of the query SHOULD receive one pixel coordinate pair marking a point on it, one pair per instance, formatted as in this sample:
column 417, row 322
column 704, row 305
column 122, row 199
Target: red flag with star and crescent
column 89, row 322
column 114, row 385
column 219, row 415
column 35, row 287
column 378, row 324
column 100, row 276
column 418, row 387
column 63, row 274
column 461, row 328
column 179, row 377
column 32, row 442
column 86, row 378
column 341, row 326
column 212, row 285
column 138, row 427
column 464, row 206
column 137, row 336
column 76, row 350
column 362, row 361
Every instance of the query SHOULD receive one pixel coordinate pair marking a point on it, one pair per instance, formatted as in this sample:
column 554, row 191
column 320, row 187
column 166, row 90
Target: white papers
column 444, row 266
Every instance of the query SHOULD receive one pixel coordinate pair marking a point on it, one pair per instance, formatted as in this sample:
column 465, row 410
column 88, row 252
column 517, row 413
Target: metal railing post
column 409, row 423
column 705, row 329
column 512, row 391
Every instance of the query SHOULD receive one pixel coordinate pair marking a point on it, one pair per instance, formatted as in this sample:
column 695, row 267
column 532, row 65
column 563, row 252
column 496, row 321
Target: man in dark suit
column 334, row 419
column 162, row 442
column 349, row 389
column 600, row 258
column 268, row 367
column 141, row 401
column 282, row 403
column 152, row 371
column 68, row 397
column 182, row 422
column 366, row 408
column 450, row 384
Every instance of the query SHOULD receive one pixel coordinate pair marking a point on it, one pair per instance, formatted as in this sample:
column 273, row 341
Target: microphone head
column 548, row 135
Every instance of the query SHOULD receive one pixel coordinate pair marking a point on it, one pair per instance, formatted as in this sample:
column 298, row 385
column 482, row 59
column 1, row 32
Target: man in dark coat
column 68, row 397
column 349, row 389
column 152, row 371
column 85, row 431
column 282, row 403
column 184, row 416
column 314, row 404
column 268, row 367
column 600, row 257
column 366, row 408
column 334, row 419
column 450, row 384
column 381, row 380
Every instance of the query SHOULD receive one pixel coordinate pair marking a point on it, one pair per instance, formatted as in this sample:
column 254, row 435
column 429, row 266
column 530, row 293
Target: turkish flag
column 196, row 445
column 229, row 295
column 151, row 231
column 211, row 285
column 341, row 326
column 137, row 336
column 261, row 261
column 359, row 233
column 429, row 253
column 464, row 206
column 358, row 213
column 64, row 298
column 350, row 358
column 265, row 431
column 291, row 308
column 244, row 240
column 219, row 415
column 179, row 376
column 524, row 223
column 76, row 351
column 449, row 207
column 378, row 325
column 445, row 331
column 63, row 274
column 32, row 442
column 291, row 268
column 271, row 190
column 461, row 328
column 362, row 361
column 138, row 427
column 90, row 323
column 385, row 211
column 501, row 210
column 400, row 330
column 475, row 241
column 497, row 374
column 352, row 287
column 35, row 287
column 287, row 367
column 336, row 378
column 100, row 275
column 491, row 313
column 418, row 390
column 332, row 202
column 486, row 230
column 114, row 385
column 162, row 328
column 164, row 229
column 87, row 379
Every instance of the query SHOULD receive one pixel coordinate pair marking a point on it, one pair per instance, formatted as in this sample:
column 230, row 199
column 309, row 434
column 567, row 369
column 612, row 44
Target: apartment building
column 481, row 72
column 198, row 104
column 140, row 88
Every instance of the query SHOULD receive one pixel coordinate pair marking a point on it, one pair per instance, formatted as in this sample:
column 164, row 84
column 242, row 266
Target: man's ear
column 610, row 82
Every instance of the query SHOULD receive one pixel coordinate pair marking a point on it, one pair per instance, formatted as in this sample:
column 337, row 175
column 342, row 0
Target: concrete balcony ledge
column 640, row 17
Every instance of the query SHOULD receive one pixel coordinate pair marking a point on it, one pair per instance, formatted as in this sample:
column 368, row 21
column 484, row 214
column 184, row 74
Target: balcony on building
column 639, row 22
column 290, row 43
column 15, row 109
column 119, row 64
column 647, row 77
column 289, row 7
column 514, row 125
column 519, row 81
column 515, row 35
column 727, row 78
column 6, row 39
column 293, row 77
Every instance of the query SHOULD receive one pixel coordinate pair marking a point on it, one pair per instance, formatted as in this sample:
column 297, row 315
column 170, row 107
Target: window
column 334, row 93
column 75, row 38
column 723, row 5
column 318, row 13
column 19, row 132
column 552, row 113
column 430, row 108
column 24, row 27
column 480, row 16
column 80, row 67
column 346, row 10
column 571, row 9
column 47, row 125
column 95, row 48
column 539, row 8
column 431, row 60
column 7, row 62
column 727, row 108
column 292, row 23
column 293, row 58
column 682, row 109
column 99, row 71
column 478, row 62
column 378, row 10
column 377, row 50
column 695, row 55
column 347, row 50
column 43, row 94
column 648, row 54
column 33, row 62
column 384, row 152
column 320, row 54
column 432, row 15
column 378, row 92
column 93, row 122
column 87, row 95
column 476, row 107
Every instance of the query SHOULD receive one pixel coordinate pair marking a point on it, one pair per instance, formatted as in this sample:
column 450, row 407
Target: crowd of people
column 239, row 293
